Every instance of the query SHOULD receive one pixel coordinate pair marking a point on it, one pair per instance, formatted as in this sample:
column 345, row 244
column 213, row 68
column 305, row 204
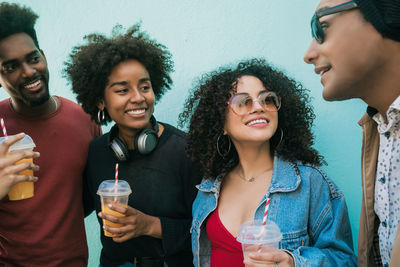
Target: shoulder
column 172, row 136
column 171, row 130
column 100, row 142
column 318, row 179
column 71, row 107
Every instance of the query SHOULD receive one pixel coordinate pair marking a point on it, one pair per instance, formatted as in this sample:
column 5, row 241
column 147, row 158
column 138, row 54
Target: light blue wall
column 203, row 35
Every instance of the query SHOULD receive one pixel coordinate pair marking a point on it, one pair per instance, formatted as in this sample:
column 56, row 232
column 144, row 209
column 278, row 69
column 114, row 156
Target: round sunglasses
column 241, row 103
column 317, row 30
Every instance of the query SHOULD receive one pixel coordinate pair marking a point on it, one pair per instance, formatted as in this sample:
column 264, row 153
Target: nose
column 311, row 53
column 136, row 96
column 256, row 107
column 27, row 70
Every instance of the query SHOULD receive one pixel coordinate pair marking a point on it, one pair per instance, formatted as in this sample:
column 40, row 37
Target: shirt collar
column 285, row 178
column 392, row 115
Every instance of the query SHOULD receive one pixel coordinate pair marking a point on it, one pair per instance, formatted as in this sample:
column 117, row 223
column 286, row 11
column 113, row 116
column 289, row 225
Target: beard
column 37, row 101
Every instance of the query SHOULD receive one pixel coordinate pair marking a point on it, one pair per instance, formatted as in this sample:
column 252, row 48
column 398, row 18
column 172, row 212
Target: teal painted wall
column 203, row 35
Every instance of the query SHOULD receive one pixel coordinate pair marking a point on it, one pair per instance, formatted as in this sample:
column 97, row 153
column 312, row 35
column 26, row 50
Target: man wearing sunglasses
column 356, row 51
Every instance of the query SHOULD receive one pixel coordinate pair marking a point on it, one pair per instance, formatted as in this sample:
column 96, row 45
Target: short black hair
column 205, row 112
column 90, row 65
column 17, row 19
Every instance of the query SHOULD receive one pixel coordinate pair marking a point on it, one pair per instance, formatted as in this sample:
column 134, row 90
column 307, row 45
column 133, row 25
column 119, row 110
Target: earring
column 229, row 146
column 281, row 137
column 101, row 116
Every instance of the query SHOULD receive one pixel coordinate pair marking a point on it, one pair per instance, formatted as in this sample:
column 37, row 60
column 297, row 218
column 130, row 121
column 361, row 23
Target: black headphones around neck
column 145, row 141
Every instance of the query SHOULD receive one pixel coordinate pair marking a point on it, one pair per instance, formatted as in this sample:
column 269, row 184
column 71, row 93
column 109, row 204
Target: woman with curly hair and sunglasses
column 250, row 130
column 119, row 79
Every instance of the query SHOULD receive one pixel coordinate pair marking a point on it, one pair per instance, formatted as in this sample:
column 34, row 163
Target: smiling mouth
column 258, row 121
column 136, row 111
column 323, row 71
column 33, row 84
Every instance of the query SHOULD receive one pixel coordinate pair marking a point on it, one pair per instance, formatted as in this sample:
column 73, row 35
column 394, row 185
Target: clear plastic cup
column 256, row 237
column 114, row 193
column 21, row 190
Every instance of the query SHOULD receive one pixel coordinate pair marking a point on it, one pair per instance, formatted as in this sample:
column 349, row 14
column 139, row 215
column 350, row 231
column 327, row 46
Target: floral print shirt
column 387, row 182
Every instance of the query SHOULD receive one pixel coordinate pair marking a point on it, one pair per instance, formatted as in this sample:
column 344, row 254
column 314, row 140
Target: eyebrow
column 321, row 8
column 259, row 93
column 11, row 61
column 125, row 82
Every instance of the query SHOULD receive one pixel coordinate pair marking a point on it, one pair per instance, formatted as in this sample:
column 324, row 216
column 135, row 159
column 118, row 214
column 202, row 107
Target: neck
column 127, row 135
column 25, row 110
column 254, row 159
column 384, row 87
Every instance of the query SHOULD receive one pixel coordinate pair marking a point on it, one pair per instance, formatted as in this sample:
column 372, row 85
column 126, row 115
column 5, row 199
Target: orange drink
column 22, row 190
column 116, row 193
column 107, row 210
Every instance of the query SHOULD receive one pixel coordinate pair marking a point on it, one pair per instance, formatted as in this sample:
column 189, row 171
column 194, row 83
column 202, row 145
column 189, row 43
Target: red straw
column 116, row 173
column 3, row 126
column 116, row 182
column 264, row 222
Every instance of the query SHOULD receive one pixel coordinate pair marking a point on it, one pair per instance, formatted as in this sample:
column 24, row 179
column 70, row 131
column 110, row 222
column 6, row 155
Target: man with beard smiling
column 48, row 228
column 356, row 50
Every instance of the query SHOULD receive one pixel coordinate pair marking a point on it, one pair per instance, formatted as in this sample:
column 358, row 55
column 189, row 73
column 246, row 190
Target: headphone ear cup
column 146, row 141
column 119, row 149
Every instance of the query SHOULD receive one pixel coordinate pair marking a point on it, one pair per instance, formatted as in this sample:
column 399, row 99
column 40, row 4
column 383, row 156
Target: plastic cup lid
column 254, row 232
column 23, row 144
column 110, row 188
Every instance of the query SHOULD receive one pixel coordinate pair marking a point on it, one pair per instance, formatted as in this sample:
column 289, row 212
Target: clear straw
column 3, row 127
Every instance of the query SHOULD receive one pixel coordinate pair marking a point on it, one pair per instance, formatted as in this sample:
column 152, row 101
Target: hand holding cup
column 132, row 224
column 15, row 167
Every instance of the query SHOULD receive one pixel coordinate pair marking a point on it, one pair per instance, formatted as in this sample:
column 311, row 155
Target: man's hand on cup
column 9, row 173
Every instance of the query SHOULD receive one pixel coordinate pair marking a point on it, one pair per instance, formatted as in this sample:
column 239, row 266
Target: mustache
column 32, row 79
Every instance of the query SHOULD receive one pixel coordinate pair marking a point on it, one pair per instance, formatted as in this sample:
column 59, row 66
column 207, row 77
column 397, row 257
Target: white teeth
column 136, row 111
column 32, row 85
column 323, row 71
column 257, row 121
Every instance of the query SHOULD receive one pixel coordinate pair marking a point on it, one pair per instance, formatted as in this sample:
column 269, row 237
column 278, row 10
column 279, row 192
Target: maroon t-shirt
column 48, row 229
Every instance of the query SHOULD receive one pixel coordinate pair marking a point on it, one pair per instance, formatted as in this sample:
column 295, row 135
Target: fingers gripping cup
column 116, row 193
column 256, row 237
column 21, row 190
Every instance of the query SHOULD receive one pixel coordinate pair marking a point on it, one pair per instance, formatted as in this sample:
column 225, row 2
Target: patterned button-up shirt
column 387, row 182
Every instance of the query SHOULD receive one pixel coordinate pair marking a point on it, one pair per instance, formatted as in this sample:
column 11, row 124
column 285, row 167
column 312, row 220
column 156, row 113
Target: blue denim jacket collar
column 285, row 182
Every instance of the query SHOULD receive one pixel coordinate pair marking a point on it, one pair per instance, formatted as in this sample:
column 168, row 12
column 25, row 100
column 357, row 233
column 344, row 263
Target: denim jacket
column 308, row 207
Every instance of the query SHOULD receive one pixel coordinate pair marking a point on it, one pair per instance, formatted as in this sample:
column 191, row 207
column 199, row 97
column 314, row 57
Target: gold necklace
column 252, row 178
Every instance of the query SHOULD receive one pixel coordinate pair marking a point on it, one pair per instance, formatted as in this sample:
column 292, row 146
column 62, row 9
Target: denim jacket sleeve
column 330, row 239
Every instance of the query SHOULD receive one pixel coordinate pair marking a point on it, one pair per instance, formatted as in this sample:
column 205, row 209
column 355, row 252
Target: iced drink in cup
column 21, row 190
column 116, row 193
column 256, row 237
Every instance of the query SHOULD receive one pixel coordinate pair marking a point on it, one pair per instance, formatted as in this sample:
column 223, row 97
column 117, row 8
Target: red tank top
column 225, row 249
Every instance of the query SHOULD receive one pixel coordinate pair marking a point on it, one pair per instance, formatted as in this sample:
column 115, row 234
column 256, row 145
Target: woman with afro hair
column 119, row 79
column 250, row 130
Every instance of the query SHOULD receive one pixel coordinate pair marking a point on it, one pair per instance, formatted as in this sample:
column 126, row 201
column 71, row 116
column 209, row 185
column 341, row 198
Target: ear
column 41, row 52
column 101, row 105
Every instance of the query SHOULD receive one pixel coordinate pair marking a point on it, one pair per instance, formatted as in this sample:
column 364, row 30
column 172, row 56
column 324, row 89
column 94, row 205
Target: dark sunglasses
column 317, row 31
column 242, row 103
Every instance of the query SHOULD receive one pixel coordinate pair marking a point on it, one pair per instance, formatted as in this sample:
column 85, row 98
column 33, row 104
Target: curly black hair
column 90, row 65
column 206, row 109
column 16, row 19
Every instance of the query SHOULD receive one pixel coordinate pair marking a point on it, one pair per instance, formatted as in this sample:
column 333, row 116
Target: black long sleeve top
column 163, row 185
